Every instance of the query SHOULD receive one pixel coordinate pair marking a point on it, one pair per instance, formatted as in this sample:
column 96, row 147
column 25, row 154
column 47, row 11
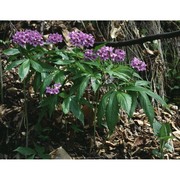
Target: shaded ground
column 132, row 139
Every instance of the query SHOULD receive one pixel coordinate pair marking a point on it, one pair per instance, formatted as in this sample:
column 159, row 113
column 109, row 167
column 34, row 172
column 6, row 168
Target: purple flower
column 90, row 54
column 57, row 86
column 81, row 39
column 115, row 55
column 54, row 89
column 105, row 53
column 49, row 90
column 31, row 37
column 54, row 38
column 120, row 55
column 138, row 64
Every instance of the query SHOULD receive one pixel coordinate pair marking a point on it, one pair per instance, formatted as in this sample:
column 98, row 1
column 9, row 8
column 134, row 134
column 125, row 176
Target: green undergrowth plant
column 65, row 78
column 163, row 132
column 33, row 153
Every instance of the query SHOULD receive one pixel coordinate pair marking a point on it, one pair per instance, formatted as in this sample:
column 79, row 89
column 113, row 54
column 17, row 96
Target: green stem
column 95, row 113
column 26, row 114
column 1, row 81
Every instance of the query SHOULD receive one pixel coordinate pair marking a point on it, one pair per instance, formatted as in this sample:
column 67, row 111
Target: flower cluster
column 54, row 38
column 138, row 64
column 89, row 54
column 54, row 90
column 81, row 39
column 107, row 52
column 31, row 37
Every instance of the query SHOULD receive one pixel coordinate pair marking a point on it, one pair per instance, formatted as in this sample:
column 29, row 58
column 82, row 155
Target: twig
column 141, row 40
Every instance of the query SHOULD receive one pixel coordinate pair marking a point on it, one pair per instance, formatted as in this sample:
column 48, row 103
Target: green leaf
column 50, row 103
column 47, row 67
column 119, row 75
column 95, row 84
column 123, row 69
column 36, row 66
column 147, row 106
column 82, row 86
column 125, row 101
column 26, row 151
column 165, row 130
column 112, row 112
column 37, row 81
column 39, row 149
column 102, row 108
column 141, row 83
column 169, row 147
column 134, row 102
column 84, row 67
column 64, row 56
column 59, row 76
column 11, row 52
column 66, row 105
column 14, row 64
column 156, row 127
column 47, row 81
column 75, row 109
column 24, row 69
column 63, row 62
column 157, row 98
column 149, row 92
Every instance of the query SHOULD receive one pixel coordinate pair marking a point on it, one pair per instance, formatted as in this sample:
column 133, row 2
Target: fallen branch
column 141, row 40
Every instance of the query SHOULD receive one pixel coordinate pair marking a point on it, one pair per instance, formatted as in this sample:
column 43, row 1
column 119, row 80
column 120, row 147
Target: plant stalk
column 1, row 81
column 95, row 113
column 26, row 114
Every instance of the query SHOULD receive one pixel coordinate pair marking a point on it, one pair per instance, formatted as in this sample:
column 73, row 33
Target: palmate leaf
column 119, row 75
column 47, row 79
column 26, row 151
column 125, row 101
column 36, row 66
column 147, row 91
column 66, row 105
column 134, row 96
column 165, row 130
column 82, row 86
column 112, row 111
column 24, row 69
column 156, row 127
column 11, row 51
column 141, row 83
column 63, row 62
column 95, row 83
column 75, row 109
column 147, row 106
column 59, row 76
column 14, row 64
column 123, row 69
column 37, row 81
column 102, row 108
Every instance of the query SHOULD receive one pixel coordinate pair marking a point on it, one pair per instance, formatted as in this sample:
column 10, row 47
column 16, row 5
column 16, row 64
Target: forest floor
column 132, row 139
